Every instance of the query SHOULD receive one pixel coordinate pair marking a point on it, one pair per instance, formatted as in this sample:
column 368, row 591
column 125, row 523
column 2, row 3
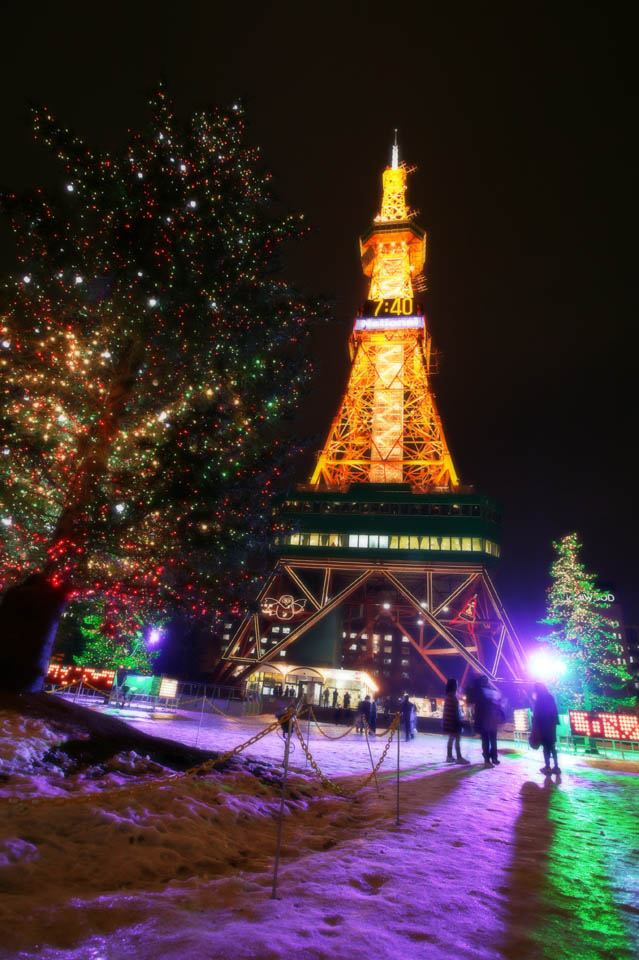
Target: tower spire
column 395, row 153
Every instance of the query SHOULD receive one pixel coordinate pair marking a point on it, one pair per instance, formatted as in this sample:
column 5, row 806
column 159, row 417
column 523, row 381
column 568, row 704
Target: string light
column 585, row 637
column 181, row 427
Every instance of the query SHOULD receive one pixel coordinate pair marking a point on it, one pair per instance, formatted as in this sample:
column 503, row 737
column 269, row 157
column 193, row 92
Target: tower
column 382, row 578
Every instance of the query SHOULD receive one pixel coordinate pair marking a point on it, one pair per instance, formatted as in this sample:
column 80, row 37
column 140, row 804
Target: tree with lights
column 583, row 635
column 105, row 648
column 149, row 351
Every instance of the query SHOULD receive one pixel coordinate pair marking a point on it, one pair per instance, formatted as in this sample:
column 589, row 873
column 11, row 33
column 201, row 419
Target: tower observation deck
column 384, row 556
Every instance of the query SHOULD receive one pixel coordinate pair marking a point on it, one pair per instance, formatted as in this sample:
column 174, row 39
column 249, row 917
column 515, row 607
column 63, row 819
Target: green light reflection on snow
column 589, row 884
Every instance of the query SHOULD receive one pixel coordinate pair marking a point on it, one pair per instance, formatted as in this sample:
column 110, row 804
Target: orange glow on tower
column 387, row 429
column 382, row 560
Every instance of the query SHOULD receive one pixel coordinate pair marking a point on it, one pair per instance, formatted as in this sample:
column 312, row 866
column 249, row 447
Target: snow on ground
column 497, row 863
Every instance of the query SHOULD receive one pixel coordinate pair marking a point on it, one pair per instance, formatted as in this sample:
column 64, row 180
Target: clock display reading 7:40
column 391, row 307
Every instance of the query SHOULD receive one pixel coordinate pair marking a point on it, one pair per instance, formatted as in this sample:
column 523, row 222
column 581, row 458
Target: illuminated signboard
column 168, row 688
column 66, row 675
column 389, row 323
column 391, row 307
column 609, row 726
column 522, row 721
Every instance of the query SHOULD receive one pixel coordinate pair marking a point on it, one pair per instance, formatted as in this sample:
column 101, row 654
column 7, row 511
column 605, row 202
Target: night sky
column 520, row 119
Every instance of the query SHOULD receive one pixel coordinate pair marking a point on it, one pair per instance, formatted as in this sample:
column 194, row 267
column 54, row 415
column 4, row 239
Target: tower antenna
column 395, row 153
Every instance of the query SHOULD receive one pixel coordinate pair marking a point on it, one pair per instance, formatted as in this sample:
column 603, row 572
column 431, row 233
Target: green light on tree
column 584, row 635
column 107, row 648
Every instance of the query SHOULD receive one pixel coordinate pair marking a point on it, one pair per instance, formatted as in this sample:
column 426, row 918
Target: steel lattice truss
column 387, row 428
column 451, row 616
column 393, row 196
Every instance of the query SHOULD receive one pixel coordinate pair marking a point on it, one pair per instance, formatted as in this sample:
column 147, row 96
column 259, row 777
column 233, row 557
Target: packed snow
column 485, row 863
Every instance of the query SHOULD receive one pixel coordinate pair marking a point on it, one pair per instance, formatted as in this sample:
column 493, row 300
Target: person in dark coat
column 325, row 696
column 406, row 711
column 373, row 717
column 488, row 716
column 335, row 699
column 347, row 700
column 452, row 722
column 363, row 713
column 544, row 724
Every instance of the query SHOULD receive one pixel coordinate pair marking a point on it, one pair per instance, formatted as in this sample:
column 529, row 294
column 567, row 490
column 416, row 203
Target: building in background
column 631, row 644
column 627, row 639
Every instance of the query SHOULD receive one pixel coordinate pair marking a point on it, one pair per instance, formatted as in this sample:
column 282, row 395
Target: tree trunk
column 29, row 614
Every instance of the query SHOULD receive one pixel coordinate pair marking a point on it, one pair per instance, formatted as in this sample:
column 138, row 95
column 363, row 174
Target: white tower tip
column 395, row 153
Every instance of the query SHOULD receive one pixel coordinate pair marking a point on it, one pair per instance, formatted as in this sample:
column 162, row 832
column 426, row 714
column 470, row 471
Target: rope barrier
column 177, row 705
column 227, row 715
column 65, row 686
column 331, row 784
column 207, row 765
column 328, row 737
column 147, row 784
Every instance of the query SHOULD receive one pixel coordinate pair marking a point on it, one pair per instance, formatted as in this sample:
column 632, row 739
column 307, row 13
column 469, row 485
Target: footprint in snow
column 370, row 882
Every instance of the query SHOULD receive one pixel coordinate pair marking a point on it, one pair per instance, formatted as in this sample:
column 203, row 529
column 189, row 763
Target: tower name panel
column 390, row 323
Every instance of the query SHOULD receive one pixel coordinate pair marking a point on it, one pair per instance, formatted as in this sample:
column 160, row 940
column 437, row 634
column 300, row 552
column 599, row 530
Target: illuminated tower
column 384, row 556
column 387, row 429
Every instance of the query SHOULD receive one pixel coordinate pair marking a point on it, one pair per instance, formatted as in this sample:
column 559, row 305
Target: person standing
column 406, row 711
column 335, row 698
column 363, row 713
column 347, row 700
column 488, row 716
column 373, row 718
column 325, row 696
column 544, row 724
column 452, row 722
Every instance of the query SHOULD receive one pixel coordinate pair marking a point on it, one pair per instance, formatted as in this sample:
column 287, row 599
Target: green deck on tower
column 388, row 521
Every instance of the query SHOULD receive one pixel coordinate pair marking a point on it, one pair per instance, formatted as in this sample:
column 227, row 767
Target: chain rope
column 331, row 784
column 328, row 737
column 207, row 765
column 147, row 784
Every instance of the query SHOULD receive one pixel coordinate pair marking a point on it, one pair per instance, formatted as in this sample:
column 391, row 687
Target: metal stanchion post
column 308, row 730
column 279, row 825
column 78, row 692
column 399, row 737
column 197, row 735
column 370, row 753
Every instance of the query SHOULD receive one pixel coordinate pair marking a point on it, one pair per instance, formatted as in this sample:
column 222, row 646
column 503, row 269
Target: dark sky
column 519, row 117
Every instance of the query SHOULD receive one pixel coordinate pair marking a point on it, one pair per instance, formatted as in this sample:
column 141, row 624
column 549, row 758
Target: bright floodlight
column 544, row 665
column 155, row 635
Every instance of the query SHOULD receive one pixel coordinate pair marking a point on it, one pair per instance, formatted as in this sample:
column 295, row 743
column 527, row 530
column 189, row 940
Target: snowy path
column 498, row 863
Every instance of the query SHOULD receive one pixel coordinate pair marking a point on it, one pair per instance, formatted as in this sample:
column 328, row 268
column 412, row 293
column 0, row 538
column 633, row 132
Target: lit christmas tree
column 584, row 636
column 106, row 648
column 148, row 353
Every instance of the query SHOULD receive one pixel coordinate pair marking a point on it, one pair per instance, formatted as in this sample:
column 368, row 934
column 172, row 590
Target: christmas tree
column 106, row 648
column 149, row 351
column 583, row 635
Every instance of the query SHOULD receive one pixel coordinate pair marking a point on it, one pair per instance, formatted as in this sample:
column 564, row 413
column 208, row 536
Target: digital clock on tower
column 391, row 307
